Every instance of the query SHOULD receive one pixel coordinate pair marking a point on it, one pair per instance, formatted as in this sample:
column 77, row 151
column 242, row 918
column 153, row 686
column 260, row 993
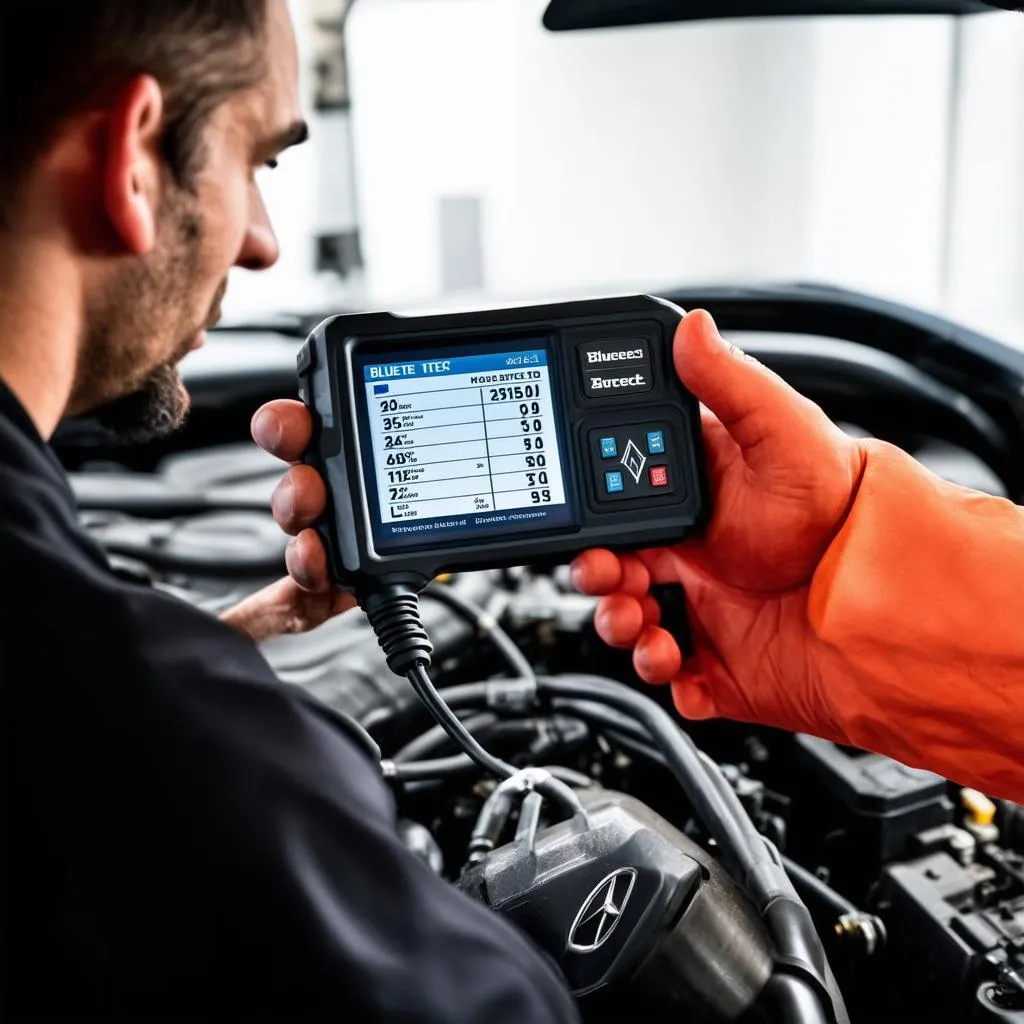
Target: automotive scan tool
column 497, row 438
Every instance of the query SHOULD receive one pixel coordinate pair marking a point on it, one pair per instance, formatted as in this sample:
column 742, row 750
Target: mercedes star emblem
column 601, row 911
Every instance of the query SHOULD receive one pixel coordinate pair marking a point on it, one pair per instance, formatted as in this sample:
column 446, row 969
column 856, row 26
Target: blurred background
column 461, row 153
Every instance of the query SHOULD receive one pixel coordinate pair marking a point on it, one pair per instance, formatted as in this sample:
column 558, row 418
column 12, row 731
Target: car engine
column 915, row 886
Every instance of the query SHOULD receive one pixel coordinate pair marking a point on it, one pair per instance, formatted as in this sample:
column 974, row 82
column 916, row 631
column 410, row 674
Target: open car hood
column 567, row 15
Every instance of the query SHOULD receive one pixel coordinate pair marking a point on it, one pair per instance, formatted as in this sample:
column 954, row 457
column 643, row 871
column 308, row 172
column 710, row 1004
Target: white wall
column 885, row 154
column 986, row 281
column 637, row 157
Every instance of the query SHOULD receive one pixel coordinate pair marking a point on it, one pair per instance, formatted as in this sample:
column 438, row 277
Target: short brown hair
column 59, row 56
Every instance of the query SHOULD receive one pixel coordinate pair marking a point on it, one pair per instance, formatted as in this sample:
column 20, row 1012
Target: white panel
column 432, row 91
column 987, row 267
column 634, row 158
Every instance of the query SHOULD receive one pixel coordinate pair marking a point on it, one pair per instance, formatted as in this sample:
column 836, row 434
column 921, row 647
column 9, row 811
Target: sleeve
column 228, row 853
column 918, row 612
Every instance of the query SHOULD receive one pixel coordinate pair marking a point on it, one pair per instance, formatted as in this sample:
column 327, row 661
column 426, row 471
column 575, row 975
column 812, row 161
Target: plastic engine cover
column 624, row 889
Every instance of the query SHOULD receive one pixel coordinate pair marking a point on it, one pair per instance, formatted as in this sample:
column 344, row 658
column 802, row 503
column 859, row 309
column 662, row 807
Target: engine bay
column 914, row 885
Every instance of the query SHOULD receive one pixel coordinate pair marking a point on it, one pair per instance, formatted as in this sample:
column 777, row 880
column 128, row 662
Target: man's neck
column 39, row 330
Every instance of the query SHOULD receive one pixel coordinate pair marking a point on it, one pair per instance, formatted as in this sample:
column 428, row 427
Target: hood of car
column 567, row 15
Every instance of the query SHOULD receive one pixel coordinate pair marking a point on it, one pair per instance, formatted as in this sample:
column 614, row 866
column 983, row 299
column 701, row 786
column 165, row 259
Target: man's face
column 155, row 309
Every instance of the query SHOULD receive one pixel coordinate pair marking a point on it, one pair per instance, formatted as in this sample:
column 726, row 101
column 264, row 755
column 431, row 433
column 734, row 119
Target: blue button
column 655, row 442
column 613, row 482
column 609, row 449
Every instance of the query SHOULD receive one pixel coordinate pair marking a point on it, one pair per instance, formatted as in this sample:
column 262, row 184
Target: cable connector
column 394, row 615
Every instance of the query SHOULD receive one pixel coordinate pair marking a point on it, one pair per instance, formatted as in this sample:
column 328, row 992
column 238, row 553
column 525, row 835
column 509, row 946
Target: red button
column 659, row 476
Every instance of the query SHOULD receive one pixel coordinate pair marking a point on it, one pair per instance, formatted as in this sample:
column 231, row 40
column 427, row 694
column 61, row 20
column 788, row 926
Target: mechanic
column 185, row 837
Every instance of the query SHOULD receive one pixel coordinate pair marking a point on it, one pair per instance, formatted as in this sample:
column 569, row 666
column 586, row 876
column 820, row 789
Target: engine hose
column 436, row 769
column 427, row 743
column 632, row 735
column 415, row 773
column 484, row 623
column 465, row 695
column 739, row 840
column 793, row 1001
column 492, row 820
column 543, row 734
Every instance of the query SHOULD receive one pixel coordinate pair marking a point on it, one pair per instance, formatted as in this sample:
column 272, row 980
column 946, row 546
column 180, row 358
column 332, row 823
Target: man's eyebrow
column 295, row 134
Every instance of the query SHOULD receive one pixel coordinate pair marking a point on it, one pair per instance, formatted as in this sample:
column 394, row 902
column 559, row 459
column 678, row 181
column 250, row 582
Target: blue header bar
column 489, row 363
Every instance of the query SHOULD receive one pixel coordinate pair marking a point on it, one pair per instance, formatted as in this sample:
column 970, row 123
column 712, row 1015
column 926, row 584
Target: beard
column 139, row 329
column 155, row 410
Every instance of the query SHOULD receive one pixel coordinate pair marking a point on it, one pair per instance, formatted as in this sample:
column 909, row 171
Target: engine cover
column 624, row 898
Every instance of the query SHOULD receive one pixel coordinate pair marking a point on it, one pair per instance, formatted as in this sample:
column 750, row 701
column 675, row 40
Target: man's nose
column 260, row 249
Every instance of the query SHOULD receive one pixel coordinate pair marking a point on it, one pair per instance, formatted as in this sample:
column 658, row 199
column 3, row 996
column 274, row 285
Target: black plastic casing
column 629, row 907
column 329, row 386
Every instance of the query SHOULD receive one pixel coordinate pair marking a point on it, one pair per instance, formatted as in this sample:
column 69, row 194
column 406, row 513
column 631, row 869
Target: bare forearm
column 919, row 610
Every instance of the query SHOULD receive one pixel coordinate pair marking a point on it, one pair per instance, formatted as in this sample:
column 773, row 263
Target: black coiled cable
column 393, row 613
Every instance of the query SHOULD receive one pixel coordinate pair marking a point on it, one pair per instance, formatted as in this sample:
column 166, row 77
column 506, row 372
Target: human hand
column 782, row 480
column 305, row 598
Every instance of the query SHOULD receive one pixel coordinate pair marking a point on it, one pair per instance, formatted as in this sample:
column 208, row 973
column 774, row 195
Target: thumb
column 751, row 402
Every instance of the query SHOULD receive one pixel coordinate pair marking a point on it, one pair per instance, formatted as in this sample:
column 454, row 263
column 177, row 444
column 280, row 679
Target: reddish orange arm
column 917, row 610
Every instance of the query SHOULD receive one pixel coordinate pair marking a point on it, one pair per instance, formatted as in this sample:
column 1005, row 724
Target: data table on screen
column 470, row 434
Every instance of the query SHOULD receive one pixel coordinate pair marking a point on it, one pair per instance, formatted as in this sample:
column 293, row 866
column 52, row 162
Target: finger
column 720, row 449
column 651, row 610
column 306, row 562
column 661, row 564
column 299, row 499
column 656, row 657
column 343, row 602
column 283, row 428
column 619, row 620
column 636, row 580
column 749, row 399
column 596, row 572
column 691, row 697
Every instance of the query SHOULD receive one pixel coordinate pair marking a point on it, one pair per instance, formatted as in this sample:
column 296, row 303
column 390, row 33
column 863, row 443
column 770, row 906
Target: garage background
column 463, row 153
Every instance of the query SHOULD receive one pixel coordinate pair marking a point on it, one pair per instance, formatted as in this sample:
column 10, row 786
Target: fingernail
column 284, row 500
column 716, row 334
column 295, row 567
column 266, row 429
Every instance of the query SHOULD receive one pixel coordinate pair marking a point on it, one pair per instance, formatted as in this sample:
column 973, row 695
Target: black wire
column 601, row 714
column 465, row 695
column 484, row 623
column 591, row 702
column 441, row 768
column 726, row 791
column 438, row 768
column 642, row 721
column 541, row 734
column 420, row 681
column 550, row 787
column 426, row 743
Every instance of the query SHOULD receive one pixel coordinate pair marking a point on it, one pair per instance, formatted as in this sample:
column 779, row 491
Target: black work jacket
column 186, row 838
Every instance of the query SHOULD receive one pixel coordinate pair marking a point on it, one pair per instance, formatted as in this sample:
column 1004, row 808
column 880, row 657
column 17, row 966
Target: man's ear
column 132, row 176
